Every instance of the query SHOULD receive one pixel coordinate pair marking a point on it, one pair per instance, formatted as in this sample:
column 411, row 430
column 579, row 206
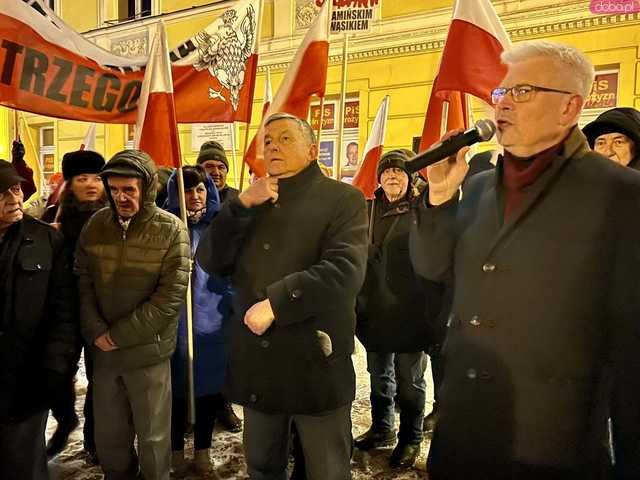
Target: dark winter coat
column 546, row 312
column 132, row 282
column 211, row 311
column 37, row 333
column 395, row 308
column 227, row 193
column 306, row 254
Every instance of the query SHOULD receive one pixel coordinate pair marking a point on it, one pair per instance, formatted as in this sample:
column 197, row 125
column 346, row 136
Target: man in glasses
column 542, row 255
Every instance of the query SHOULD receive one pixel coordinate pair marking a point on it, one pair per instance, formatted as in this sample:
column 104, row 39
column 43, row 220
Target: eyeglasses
column 520, row 93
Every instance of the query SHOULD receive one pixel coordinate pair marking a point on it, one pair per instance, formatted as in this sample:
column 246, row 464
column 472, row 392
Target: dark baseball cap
column 8, row 176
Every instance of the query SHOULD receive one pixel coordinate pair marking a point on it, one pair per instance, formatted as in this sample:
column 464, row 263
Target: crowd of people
column 518, row 281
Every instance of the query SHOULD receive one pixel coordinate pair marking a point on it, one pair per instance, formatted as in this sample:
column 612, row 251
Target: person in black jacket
column 392, row 321
column 295, row 246
column 37, row 333
column 543, row 255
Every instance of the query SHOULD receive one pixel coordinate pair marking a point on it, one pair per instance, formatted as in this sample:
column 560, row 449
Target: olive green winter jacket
column 132, row 282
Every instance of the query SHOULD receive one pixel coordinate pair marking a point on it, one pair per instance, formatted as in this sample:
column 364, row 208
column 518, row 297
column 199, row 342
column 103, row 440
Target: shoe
column 92, row 457
column 404, row 455
column 60, row 437
column 429, row 422
column 372, row 439
column 202, row 462
column 179, row 465
column 228, row 418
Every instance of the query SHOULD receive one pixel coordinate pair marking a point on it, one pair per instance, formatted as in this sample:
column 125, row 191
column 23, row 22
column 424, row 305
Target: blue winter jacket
column 211, row 311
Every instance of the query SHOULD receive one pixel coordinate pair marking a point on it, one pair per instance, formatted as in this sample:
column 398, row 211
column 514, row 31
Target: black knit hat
column 393, row 159
column 8, row 176
column 81, row 161
column 623, row 120
column 212, row 150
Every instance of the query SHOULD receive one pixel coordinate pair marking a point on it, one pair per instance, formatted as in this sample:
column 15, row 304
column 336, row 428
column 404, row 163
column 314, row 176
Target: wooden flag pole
column 319, row 132
column 191, row 397
column 244, row 152
column 345, row 61
column 234, row 153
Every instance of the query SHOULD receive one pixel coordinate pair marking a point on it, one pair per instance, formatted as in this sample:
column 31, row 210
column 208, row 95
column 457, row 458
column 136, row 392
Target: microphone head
column 486, row 129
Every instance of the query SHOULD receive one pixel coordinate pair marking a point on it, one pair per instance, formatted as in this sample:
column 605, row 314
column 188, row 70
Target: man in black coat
column 295, row 245
column 37, row 333
column 393, row 323
column 543, row 255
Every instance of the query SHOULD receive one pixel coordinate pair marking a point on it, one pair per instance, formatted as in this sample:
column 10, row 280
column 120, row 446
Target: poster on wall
column 604, row 90
column 328, row 117
column 203, row 132
column 326, row 154
column 348, row 16
column 351, row 113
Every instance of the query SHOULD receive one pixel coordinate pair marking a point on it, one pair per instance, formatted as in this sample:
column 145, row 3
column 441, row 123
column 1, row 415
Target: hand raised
column 446, row 176
column 262, row 190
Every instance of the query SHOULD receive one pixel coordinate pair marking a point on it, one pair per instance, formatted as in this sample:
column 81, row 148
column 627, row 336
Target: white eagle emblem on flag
column 226, row 52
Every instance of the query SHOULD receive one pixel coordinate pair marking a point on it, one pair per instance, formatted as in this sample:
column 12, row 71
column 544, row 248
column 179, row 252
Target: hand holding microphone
column 445, row 160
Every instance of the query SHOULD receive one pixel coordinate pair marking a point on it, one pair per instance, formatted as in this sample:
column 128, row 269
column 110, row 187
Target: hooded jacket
column 132, row 282
column 211, row 310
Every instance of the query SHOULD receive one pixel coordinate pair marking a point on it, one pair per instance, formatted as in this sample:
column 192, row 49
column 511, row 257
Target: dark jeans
column 205, row 421
column 22, row 449
column 325, row 438
column 401, row 374
column 88, row 430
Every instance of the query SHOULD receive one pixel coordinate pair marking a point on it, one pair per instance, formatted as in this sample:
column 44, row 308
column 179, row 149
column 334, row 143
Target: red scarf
column 519, row 173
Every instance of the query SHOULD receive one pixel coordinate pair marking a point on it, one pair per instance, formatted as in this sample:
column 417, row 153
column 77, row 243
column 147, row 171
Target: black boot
column 60, row 437
column 404, row 455
column 226, row 416
column 375, row 439
column 429, row 423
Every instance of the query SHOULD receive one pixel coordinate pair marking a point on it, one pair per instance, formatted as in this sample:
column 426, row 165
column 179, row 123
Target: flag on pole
column 476, row 70
column 214, row 71
column 156, row 127
column 306, row 76
column 366, row 179
column 89, row 141
column 268, row 94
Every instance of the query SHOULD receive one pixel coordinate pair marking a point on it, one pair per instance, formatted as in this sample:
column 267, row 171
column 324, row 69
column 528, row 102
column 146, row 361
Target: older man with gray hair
column 295, row 244
column 543, row 256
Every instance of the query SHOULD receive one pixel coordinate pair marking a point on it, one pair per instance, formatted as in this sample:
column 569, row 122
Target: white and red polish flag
column 306, row 77
column 156, row 128
column 366, row 179
column 470, row 63
column 49, row 68
column 89, row 141
column 268, row 94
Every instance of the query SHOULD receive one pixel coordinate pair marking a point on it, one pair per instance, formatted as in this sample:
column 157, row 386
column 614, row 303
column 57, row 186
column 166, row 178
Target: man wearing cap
column 82, row 196
column 392, row 321
column 616, row 135
column 37, row 330
column 133, row 265
column 294, row 244
column 214, row 160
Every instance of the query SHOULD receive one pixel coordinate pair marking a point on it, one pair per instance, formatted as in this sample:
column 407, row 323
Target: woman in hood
column 616, row 135
column 211, row 300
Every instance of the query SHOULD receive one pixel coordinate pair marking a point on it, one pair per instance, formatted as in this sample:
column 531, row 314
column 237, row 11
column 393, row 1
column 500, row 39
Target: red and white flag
column 156, row 128
column 89, row 141
column 268, row 94
column 50, row 69
column 366, row 179
column 306, row 77
column 463, row 69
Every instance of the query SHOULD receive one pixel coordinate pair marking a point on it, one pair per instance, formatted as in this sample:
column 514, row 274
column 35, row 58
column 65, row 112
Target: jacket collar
column 291, row 185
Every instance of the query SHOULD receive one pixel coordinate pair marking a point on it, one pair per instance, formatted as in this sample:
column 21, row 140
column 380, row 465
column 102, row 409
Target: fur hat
column 212, row 150
column 81, row 161
column 8, row 176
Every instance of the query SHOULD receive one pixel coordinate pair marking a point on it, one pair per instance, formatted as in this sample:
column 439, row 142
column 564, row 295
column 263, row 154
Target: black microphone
column 482, row 131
